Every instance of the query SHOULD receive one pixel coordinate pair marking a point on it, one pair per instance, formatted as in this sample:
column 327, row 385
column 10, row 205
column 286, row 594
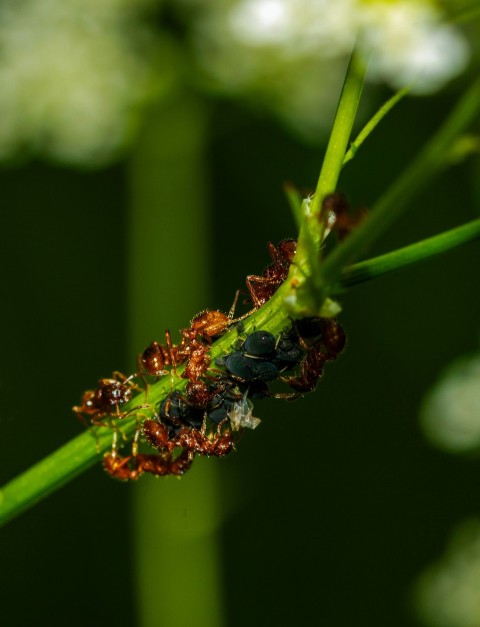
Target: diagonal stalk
column 431, row 160
column 410, row 255
column 80, row 453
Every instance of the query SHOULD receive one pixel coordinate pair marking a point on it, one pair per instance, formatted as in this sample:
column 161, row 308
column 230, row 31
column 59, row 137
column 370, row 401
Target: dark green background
column 336, row 503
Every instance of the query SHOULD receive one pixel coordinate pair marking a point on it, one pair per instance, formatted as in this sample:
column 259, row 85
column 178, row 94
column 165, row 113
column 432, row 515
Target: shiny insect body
column 262, row 288
column 131, row 467
column 107, row 400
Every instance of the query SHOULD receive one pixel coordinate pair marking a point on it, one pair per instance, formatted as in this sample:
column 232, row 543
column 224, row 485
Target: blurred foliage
column 447, row 592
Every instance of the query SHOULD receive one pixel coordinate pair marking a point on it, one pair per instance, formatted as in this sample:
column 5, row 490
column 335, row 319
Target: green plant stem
column 409, row 255
column 432, row 159
column 51, row 473
column 307, row 260
column 295, row 202
column 80, row 453
column 373, row 123
column 466, row 15
column 168, row 194
column 340, row 136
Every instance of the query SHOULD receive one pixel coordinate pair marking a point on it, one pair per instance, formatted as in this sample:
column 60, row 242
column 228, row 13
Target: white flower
column 296, row 27
column 451, row 412
column 291, row 54
column 70, row 77
column 447, row 593
column 409, row 45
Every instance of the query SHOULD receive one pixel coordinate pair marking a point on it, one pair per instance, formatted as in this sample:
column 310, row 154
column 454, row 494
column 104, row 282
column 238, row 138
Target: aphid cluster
column 208, row 415
column 305, row 346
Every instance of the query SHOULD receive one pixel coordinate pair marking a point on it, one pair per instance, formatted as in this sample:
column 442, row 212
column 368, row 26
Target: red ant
column 344, row 222
column 191, row 439
column 333, row 337
column 209, row 323
column 195, row 440
column 107, row 399
column 328, row 347
column 132, row 466
column 262, row 288
column 311, row 369
column 193, row 347
column 198, row 338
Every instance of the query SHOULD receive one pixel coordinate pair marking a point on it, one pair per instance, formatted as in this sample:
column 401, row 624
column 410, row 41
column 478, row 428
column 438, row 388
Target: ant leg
column 220, row 426
column 171, row 352
column 119, row 376
column 93, row 423
column 130, row 411
column 97, row 443
column 250, row 280
column 231, row 313
column 181, row 464
column 114, row 445
column 81, row 417
column 142, row 375
column 245, row 315
column 138, row 430
column 203, row 429
column 135, row 442
column 273, row 252
column 289, row 396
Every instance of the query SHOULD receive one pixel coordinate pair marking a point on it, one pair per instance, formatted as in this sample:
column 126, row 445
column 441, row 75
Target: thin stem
column 340, row 136
column 165, row 200
column 50, row 474
column 410, row 255
column 84, row 451
column 373, row 123
column 295, row 202
column 394, row 202
column 81, row 453
column 466, row 15
column 307, row 261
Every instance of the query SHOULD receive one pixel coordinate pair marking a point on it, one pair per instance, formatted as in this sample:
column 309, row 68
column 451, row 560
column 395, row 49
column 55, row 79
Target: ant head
column 115, row 393
column 287, row 249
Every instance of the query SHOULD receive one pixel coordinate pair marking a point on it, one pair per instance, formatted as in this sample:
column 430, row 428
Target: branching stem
column 410, row 255
column 82, row 452
column 432, row 159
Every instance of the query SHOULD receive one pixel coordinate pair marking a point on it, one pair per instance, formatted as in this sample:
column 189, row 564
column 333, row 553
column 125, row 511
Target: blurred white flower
column 73, row 73
column 447, row 593
column 290, row 54
column 409, row 45
column 297, row 27
column 450, row 415
column 71, row 76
